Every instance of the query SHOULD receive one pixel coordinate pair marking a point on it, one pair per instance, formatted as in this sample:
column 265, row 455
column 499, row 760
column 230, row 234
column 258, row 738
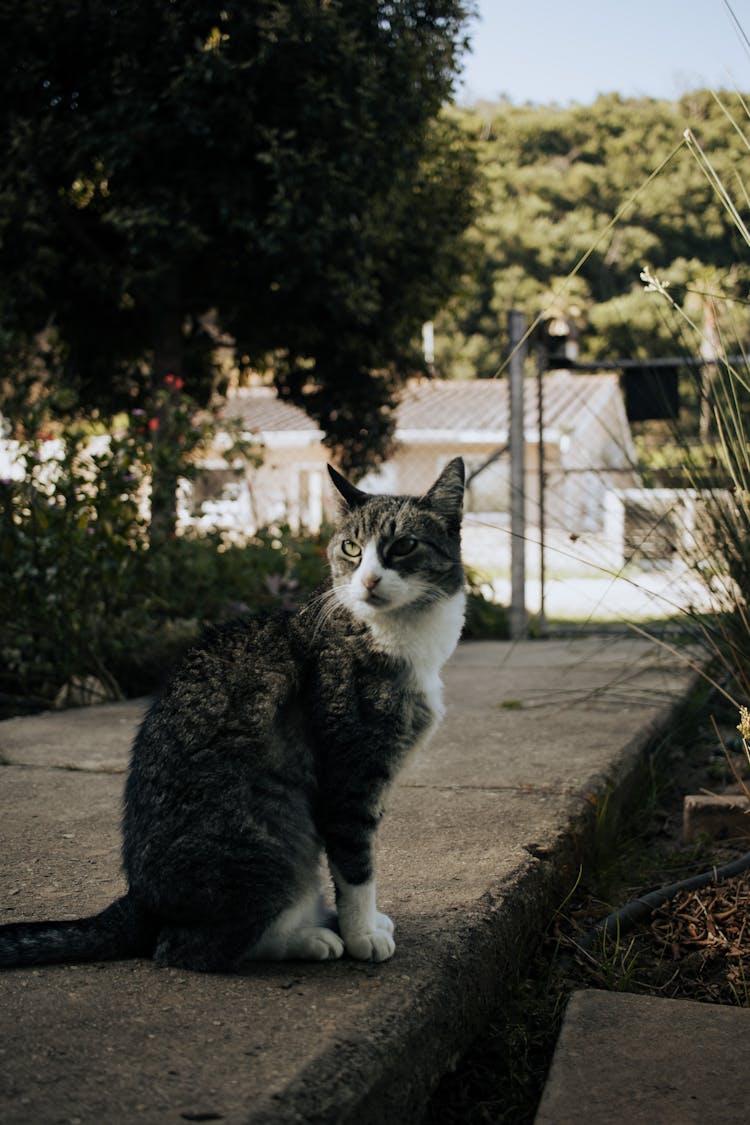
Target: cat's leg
column 272, row 930
column 302, row 932
column 203, row 949
column 348, row 835
column 298, row 933
column 367, row 933
column 349, row 829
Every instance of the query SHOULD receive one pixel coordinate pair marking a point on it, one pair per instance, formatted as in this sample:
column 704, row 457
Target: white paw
column 383, row 922
column 316, row 943
column 372, row 945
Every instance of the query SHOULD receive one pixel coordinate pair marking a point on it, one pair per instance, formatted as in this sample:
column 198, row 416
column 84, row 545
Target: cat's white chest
column 424, row 641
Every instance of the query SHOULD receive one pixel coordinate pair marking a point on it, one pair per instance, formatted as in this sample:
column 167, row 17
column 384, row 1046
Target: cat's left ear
column 447, row 493
column 353, row 497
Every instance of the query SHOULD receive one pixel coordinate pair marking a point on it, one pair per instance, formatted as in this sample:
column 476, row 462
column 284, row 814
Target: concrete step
column 640, row 1060
column 482, row 841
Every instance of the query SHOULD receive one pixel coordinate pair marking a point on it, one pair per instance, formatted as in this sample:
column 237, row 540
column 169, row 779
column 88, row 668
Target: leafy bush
column 71, row 546
column 195, row 580
column 83, row 593
column 485, row 619
column 91, row 606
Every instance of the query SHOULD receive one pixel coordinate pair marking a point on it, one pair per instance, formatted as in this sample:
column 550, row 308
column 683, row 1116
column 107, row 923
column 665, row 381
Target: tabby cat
column 275, row 740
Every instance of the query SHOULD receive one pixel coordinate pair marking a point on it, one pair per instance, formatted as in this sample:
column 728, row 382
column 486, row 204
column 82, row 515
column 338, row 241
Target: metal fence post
column 517, row 441
column 541, row 367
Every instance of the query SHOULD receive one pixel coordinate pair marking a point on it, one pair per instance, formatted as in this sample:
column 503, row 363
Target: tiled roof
column 478, row 406
column 260, row 411
column 483, row 404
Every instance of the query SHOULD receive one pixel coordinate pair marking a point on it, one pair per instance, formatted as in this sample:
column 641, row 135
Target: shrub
column 71, row 546
column 485, row 619
column 92, row 606
column 84, row 594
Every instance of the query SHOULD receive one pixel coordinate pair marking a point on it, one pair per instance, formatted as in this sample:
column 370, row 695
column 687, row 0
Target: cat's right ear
column 447, row 493
column 353, row 497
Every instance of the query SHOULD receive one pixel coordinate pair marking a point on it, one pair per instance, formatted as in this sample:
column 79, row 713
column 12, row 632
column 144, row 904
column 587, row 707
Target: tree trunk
column 166, row 381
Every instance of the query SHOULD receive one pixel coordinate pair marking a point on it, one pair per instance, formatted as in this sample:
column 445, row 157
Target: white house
column 586, row 443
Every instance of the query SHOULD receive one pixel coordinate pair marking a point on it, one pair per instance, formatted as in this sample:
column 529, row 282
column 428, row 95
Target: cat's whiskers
column 323, row 606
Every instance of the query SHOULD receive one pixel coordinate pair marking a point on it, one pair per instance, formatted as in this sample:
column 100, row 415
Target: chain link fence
column 596, row 542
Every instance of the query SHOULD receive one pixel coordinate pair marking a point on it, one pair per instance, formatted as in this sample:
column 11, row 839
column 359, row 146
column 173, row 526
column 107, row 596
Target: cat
column 275, row 741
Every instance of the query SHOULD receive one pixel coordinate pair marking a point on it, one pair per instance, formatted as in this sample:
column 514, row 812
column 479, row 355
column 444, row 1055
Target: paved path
column 641, row 1060
column 483, row 839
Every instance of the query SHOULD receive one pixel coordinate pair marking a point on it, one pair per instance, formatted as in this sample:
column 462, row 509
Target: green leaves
column 555, row 177
column 83, row 592
column 276, row 166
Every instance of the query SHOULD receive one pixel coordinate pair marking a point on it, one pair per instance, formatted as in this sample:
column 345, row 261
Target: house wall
column 595, row 457
column 581, row 466
column 414, row 469
column 292, row 487
column 288, row 487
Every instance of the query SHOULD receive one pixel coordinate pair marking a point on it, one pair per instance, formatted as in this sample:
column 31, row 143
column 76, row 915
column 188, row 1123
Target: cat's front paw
column 383, row 922
column 376, row 944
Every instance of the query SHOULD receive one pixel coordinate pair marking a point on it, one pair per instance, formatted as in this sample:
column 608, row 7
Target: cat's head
column 395, row 553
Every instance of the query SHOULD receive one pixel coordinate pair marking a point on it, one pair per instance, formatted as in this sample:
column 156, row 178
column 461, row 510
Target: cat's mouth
column 370, row 598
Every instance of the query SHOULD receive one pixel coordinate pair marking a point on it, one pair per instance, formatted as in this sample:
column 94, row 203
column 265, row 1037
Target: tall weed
column 716, row 458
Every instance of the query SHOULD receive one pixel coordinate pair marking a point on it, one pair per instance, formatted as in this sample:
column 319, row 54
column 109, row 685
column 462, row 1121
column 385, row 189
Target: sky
column 551, row 51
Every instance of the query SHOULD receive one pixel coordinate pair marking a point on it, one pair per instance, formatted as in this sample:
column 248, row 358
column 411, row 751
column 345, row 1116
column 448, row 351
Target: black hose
column 619, row 921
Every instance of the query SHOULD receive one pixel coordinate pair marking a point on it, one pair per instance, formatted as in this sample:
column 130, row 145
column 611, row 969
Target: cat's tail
column 122, row 930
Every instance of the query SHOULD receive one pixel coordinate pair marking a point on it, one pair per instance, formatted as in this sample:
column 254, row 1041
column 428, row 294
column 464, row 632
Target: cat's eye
column 402, row 547
column 351, row 549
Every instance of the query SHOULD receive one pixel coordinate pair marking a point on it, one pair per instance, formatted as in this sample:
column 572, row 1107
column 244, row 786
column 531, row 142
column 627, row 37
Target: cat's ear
column 447, row 493
column 353, row 497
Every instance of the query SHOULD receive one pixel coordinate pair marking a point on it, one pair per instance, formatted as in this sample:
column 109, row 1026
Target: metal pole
column 541, row 365
column 517, row 441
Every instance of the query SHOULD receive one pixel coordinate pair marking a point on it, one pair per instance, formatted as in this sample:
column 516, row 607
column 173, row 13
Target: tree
column 173, row 173
column 555, row 178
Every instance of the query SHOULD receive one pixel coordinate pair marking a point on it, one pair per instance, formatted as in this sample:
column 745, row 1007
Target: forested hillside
column 554, row 179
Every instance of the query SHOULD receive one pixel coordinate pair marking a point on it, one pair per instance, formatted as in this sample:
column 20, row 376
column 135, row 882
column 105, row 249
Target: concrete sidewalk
column 623, row 1059
column 481, row 842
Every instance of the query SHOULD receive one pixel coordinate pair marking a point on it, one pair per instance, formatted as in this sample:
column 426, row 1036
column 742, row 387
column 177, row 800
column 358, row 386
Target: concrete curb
column 482, row 842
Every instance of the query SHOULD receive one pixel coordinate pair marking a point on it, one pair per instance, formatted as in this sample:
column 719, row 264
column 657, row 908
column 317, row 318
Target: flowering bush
column 73, row 531
column 90, row 604
column 85, row 595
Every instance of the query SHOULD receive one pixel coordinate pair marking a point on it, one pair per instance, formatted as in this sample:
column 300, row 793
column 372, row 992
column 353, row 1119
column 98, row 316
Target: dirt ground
column 695, row 946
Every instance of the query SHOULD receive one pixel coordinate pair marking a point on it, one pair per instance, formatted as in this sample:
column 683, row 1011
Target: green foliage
column 199, row 580
column 85, row 595
column 83, row 591
column 485, row 619
column 554, row 180
column 276, row 173
column 71, row 543
column 715, row 461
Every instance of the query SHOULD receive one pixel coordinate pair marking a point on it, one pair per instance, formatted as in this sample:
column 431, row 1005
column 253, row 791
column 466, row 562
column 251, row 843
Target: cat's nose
column 370, row 581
